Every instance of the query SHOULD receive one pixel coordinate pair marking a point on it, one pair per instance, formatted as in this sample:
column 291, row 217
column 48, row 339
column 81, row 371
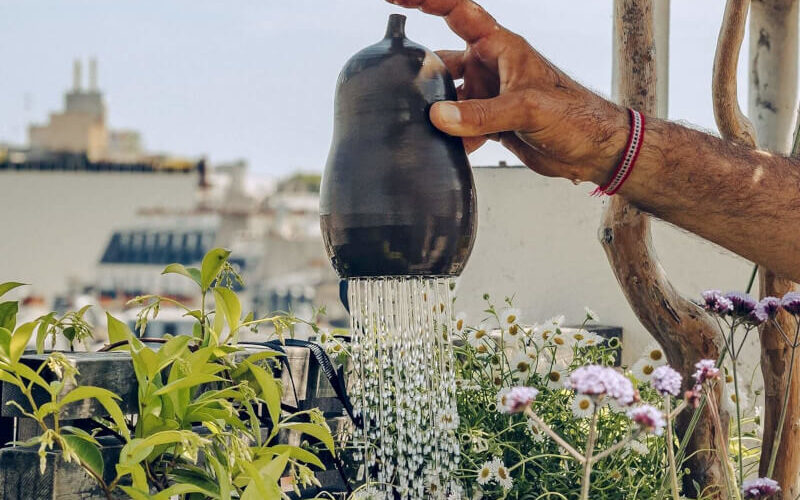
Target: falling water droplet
column 404, row 385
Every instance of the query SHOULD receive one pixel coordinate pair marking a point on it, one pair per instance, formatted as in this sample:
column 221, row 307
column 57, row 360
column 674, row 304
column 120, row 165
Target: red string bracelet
column 625, row 167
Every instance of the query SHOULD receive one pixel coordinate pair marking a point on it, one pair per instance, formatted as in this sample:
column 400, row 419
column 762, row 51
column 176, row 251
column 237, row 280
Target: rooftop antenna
column 93, row 74
column 76, row 75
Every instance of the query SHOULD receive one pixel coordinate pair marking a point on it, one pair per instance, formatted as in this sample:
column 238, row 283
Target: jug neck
column 396, row 29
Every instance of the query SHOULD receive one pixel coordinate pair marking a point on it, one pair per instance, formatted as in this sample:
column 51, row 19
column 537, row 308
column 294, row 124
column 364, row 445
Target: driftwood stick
column 685, row 332
column 772, row 99
column 732, row 123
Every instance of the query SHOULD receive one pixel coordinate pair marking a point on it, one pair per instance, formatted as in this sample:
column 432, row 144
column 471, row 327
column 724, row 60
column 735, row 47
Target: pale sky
column 255, row 79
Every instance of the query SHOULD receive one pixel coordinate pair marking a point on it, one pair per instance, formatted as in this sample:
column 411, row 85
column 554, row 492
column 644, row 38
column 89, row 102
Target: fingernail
column 448, row 113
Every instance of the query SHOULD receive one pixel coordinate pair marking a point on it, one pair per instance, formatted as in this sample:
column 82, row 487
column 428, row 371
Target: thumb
column 476, row 117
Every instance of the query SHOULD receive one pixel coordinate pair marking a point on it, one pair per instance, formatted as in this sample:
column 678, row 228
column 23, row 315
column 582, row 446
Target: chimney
column 93, row 75
column 76, row 75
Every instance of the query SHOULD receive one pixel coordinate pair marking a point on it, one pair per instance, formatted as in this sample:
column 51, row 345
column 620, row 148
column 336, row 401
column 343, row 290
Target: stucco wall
column 55, row 225
column 537, row 240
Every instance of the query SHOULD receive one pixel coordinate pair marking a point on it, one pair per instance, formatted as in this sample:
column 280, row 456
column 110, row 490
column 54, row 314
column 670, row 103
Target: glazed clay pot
column 397, row 196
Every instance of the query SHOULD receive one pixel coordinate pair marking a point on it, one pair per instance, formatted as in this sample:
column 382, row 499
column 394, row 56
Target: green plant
column 197, row 431
column 536, row 454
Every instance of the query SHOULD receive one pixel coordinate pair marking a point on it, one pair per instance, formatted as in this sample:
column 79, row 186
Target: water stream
column 404, row 385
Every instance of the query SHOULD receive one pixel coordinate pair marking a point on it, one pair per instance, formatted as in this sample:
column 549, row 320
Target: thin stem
column 616, row 447
column 740, row 452
column 752, row 278
column 722, row 449
column 554, row 435
column 673, row 470
column 779, row 432
column 587, row 466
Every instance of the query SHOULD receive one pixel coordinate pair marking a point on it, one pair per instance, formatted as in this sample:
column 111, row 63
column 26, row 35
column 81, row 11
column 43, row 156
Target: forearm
column 742, row 199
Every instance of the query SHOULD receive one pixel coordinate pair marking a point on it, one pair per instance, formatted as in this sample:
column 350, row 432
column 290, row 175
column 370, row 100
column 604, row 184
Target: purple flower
column 649, row 418
column 596, row 380
column 791, row 302
column 716, row 303
column 769, row 306
column 761, row 487
column 706, row 370
column 516, row 399
column 743, row 304
column 665, row 380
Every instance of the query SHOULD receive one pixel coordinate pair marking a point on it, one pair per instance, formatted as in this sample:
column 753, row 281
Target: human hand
column 512, row 94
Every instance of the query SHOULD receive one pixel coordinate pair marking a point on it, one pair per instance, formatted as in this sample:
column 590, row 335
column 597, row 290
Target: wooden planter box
column 20, row 478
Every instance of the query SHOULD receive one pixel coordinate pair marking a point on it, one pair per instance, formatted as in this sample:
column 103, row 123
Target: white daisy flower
column 537, row 435
column 593, row 338
column 655, row 355
column 555, row 375
column 643, row 369
column 637, row 447
column 479, row 338
column 591, row 315
column 729, row 395
column 485, row 473
column 460, row 323
column 508, row 317
column 520, row 365
column 503, row 477
column 582, row 406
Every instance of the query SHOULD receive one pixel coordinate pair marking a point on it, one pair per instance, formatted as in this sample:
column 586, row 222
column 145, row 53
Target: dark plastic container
column 397, row 196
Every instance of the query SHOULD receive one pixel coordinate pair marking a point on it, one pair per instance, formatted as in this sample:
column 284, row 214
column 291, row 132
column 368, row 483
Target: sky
column 255, row 79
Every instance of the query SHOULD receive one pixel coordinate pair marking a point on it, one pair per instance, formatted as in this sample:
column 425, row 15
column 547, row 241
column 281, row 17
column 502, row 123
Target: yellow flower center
column 648, row 369
column 502, row 473
column 511, row 318
column 522, row 366
column 554, row 376
column 656, row 354
column 485, row 472
column 479, row 334
column 578, row 337
column 584, row 404
column 481, row 349
column 558, row 340
column 512, row 329
column 460, row 324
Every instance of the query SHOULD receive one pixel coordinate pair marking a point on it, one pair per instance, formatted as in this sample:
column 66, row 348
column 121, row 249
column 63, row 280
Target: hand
column 512, row 94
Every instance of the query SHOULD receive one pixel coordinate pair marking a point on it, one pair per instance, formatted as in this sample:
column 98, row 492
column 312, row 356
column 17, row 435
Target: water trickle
column 404, row 385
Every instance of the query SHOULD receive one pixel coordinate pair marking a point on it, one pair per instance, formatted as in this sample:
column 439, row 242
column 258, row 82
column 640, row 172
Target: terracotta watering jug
column 397, row 195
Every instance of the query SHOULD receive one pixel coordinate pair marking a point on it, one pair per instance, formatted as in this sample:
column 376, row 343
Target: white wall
column 55, row 225
column 537, row 240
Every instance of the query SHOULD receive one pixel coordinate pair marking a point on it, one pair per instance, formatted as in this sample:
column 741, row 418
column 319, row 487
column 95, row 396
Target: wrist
column 613, row 145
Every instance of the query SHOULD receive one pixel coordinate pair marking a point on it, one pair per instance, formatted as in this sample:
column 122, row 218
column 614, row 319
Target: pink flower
column 761, row 487
column 596, row 380
column 516, row 399
column 706, row 370
column 649, row 418
column 665, row 380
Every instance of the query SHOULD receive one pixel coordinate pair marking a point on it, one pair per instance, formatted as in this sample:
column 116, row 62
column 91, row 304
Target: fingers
column 454, row 61
column 536, row 161
column 465, row 17
column 477, row 117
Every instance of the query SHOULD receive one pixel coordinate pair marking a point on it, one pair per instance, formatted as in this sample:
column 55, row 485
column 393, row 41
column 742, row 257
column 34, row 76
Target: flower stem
column 779, row 432
column 587, row 466
column 740, row 452
column 554, row 435
column 673, row 470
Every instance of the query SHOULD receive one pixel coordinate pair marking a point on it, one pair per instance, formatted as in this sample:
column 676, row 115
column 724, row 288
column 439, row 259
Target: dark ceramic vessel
column 397, row 196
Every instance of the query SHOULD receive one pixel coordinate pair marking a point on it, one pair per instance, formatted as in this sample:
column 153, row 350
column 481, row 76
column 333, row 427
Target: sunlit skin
column 742, row 199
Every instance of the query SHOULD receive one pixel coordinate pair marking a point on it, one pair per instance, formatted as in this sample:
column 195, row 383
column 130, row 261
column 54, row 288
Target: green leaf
column 212, row 263
column 117, row 330
column 269, row 390
column 257, row 489
column 8, row 314
column 192, row 272
column 88, row 452
column 5, row 340
column 134, row 452
column 41, row 332
column 223, row 477
column 135, row 493
column 188, row 381
column 229, row 304
column 8, row 286
column 10, row 379
column 86, row 392
column 319, row 431
column 274, row 469
column 19, row 341
column 298, row 454
column 27, row 373
column 176, row 490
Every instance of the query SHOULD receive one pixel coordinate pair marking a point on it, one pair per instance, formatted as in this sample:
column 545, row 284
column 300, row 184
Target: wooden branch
column 773, row 94
column 685, row 332
column 732, row 123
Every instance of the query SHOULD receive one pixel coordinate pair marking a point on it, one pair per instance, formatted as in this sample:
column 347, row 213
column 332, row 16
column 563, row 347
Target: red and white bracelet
column 625, row 167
